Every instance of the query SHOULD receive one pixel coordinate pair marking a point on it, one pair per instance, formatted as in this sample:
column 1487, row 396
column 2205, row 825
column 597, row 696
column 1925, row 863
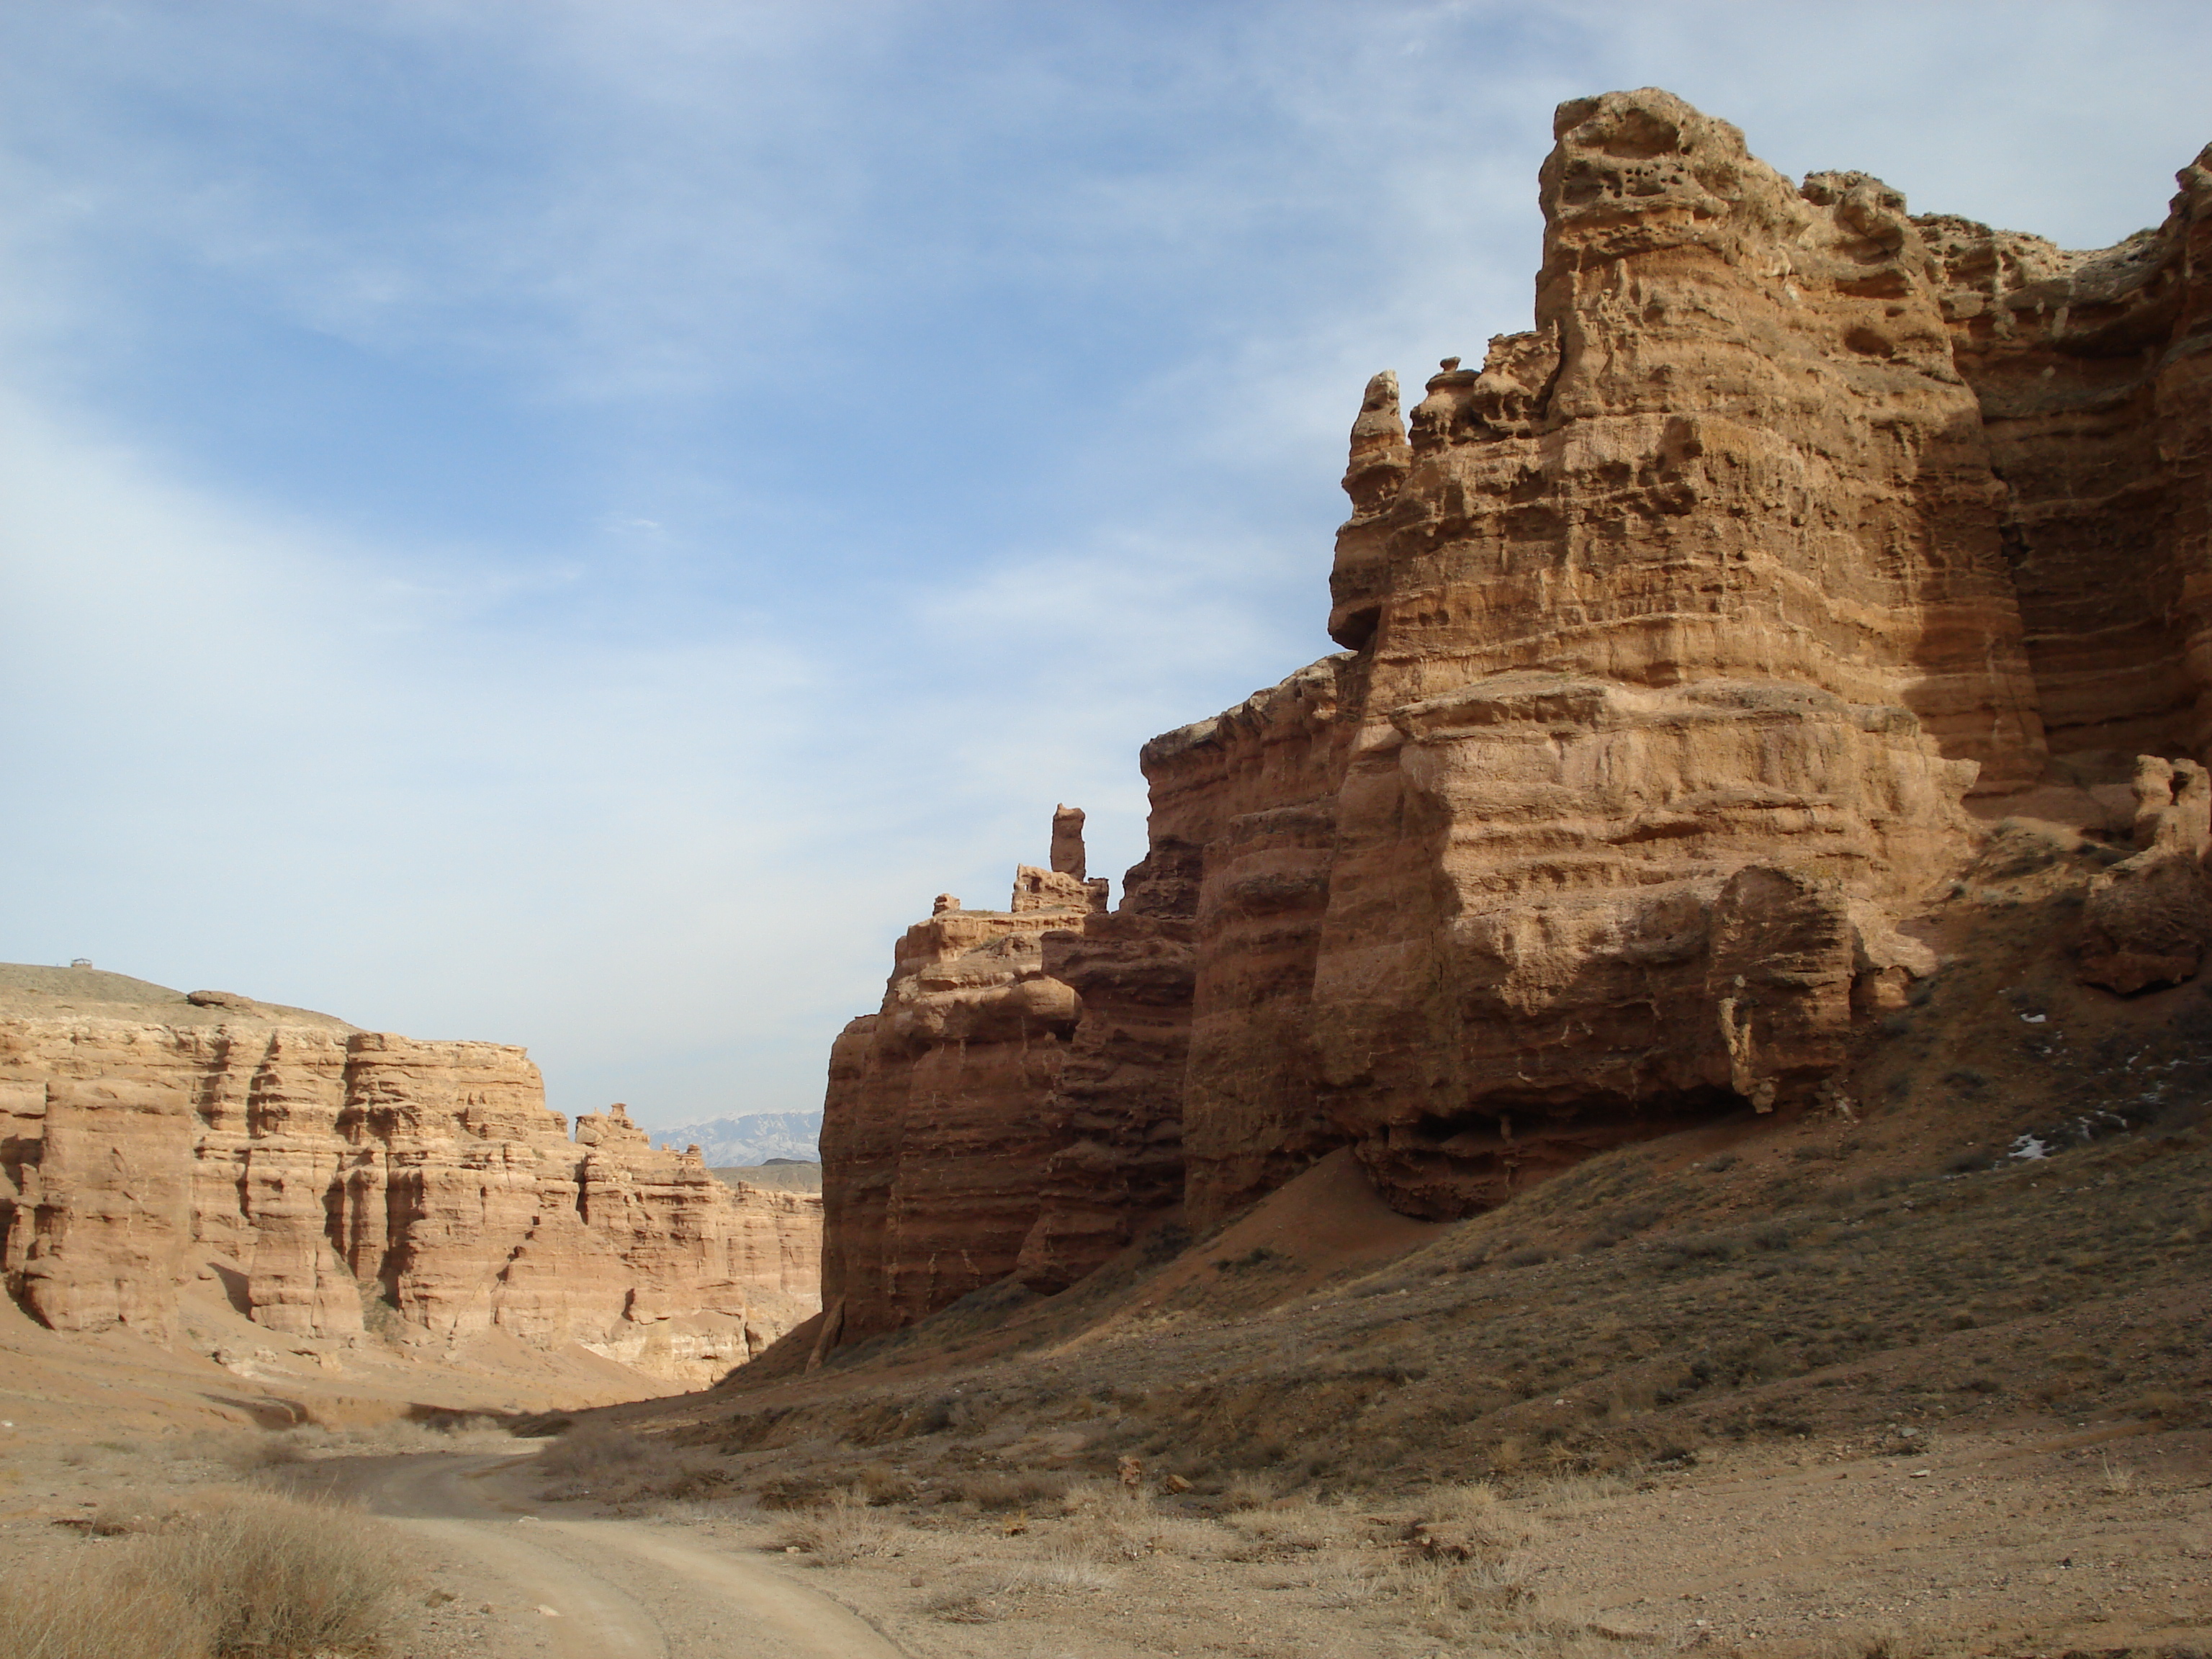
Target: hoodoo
column 1691, row 643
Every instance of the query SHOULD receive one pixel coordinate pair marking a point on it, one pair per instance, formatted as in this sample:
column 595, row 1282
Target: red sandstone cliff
column 1690, row 641
column 933, row 1144
column 323, row 1172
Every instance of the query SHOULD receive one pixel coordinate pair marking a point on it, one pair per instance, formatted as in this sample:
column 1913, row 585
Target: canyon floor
column 2016, row 1540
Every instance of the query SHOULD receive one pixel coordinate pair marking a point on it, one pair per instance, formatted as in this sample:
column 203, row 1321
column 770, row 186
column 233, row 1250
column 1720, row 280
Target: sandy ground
column 2030, row 1540
column 1985, row 1544
column 588, row 1587
column 2010, row 1543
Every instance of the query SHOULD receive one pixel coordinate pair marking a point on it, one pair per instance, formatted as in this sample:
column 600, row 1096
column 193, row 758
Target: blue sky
column 568, row 523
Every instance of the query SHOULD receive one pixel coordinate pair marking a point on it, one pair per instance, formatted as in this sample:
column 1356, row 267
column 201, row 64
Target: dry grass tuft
column 263, row 1576
column 1060, row 1577
column 1489, row 1604
column 1885, row 1641
column 627, row 1468
column 964, row 1606
column 104, row 1614
column 593, row 1454
column 1467, row 1500
column 839, row 1533
column 1248, row 1492
column 1290, row 1527
column 993, row 1492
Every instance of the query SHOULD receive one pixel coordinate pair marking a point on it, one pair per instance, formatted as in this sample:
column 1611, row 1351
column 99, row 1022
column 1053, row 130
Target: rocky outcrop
column 337, row 1179
column 1690, row 639
column 2092, row 373
column 2147, row 921
column 933, row 1141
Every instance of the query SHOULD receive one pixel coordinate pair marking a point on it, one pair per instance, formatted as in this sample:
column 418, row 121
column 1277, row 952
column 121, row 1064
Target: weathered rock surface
column 326, row 1173
column 1691, row 640
column 933, row 1144
column 2147, row 921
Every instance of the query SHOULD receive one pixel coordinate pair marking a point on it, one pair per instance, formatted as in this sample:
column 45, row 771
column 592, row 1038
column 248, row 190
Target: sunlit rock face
column 327, row 1173
column 1689, row 641
column 935, row 1138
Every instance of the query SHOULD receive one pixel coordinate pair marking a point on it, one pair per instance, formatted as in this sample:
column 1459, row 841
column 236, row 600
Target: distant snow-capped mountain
column 753, row 1139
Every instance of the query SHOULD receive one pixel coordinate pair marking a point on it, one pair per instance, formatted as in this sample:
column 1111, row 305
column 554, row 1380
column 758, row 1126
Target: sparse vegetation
column 259, row 1576
column 618, row 1468
column 838, row 1534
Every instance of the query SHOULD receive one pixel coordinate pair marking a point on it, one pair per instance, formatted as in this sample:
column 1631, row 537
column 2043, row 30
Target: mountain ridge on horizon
column 749, row 1139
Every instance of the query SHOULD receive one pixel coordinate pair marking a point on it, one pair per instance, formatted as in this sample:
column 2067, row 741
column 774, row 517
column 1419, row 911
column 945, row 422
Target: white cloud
column 936, row 401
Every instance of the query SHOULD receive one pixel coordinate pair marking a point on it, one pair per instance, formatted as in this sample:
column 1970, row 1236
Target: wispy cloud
column 567, row 524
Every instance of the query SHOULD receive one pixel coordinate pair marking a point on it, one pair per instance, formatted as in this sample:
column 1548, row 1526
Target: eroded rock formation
column 1690, row 641
column 327, row 1173
column 934, row 1142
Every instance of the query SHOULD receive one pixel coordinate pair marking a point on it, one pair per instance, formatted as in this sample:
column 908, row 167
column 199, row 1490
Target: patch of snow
column 2028, row 1148
column 2034, row 1020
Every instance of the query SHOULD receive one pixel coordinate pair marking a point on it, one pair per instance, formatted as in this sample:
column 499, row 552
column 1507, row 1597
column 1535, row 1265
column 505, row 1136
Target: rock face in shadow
column 346, row 1179
column 1690, row 641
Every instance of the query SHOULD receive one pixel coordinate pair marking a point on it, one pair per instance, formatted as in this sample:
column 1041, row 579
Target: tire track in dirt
column 616, row 1590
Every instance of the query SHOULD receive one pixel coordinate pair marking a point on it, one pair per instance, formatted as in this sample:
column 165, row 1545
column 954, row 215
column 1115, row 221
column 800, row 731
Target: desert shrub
column 626, row 1468
column 794, row 1491
column 1484, row 1602
column 1700, row 1247
column 590, row 1453
column 838, row 1534
column 257, row 1450
column 1292, row 1528
column 992, row 1489
column 1058, row 1577
column 1248, row 1492
column 265, row 1578
column 287, row 1578
column 1621, row 1224
column 101, row 1614
column 1884, row 1641
column 1465, row 1501
column 964, row 1606
column 1258, row 1256
column 1107, row 1525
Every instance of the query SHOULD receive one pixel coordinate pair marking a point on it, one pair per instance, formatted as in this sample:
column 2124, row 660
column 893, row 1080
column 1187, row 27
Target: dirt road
column 609, row 1589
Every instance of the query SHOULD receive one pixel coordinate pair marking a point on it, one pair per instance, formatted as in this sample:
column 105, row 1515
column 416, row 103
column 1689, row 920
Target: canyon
column 1697, row 648
column 359, row 1196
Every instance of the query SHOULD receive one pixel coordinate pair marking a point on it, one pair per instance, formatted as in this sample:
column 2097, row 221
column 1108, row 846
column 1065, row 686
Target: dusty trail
column 611, row 1589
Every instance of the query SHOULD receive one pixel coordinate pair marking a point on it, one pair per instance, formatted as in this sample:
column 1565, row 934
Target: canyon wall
column 1690, row 643
column 933, row 1141
column 341, row 1183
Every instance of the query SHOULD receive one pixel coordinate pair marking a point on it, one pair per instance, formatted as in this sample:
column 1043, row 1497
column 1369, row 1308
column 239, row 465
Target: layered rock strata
column 934, row 1142
column 1689, row 640
column 336, row 1178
